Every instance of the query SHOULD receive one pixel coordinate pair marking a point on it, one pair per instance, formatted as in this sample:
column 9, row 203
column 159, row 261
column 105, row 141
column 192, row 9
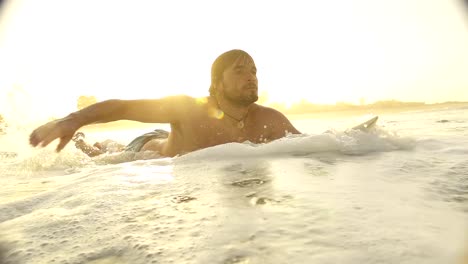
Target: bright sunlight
column 53, row 51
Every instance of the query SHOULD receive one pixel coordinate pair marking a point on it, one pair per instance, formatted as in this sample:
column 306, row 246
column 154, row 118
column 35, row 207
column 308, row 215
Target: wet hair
column 222, row 63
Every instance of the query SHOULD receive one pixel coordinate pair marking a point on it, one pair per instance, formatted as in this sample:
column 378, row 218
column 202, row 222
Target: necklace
column 240, row 122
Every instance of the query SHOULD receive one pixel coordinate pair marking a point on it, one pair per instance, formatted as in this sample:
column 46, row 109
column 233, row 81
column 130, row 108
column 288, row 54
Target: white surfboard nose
column 368, row 124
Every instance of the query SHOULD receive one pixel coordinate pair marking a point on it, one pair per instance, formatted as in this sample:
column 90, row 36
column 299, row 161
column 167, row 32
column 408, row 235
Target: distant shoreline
column 374, row 110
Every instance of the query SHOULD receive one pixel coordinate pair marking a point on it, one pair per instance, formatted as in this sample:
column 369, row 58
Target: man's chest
column 211, row 132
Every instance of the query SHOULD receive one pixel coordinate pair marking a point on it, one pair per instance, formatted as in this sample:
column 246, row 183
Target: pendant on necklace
column 240, row 124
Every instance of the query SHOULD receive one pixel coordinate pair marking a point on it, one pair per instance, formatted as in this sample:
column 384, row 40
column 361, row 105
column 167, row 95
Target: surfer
column 228, row 114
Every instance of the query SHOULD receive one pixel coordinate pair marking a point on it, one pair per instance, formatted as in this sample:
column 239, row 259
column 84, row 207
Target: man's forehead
column 243, row 60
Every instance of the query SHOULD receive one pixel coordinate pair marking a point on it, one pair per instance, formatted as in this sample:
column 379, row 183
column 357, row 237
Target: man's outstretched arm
column 165, row 110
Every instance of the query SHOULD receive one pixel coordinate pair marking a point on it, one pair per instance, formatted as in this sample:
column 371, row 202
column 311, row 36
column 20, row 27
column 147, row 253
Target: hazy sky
column 321, row 51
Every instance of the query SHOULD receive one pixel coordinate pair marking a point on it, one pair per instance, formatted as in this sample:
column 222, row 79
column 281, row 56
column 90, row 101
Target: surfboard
column 368, row 124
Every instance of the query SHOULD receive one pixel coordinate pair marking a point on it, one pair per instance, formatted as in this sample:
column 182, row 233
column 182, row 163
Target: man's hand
column 62, row 129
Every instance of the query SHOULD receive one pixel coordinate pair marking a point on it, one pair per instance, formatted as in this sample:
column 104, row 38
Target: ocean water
column 398, row 194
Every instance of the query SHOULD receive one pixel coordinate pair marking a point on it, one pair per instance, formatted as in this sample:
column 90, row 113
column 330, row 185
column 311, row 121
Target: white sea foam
column 350, row 142
column 388, row 196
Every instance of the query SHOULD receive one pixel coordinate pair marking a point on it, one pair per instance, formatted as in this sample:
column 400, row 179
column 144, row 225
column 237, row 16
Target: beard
column 242, row 99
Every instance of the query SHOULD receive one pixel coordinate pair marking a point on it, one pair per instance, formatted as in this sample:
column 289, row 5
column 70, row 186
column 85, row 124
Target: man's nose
column 251, row 77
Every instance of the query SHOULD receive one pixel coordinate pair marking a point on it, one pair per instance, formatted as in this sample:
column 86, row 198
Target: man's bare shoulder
column 185, row 101
column 180, row 99
column 188, row 107
column 275, row 119
column 266, row 112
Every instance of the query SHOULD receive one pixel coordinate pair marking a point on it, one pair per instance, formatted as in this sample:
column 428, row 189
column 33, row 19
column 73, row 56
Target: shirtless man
column 228, row 114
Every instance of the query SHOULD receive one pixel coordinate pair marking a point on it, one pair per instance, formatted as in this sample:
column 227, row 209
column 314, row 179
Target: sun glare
column 322, row 54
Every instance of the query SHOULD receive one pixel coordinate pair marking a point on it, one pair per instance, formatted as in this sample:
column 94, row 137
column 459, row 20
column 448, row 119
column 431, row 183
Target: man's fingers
column 63, row 142
column 45, row 134
column 33, row 139
column 41, row 136
column 49, row 138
